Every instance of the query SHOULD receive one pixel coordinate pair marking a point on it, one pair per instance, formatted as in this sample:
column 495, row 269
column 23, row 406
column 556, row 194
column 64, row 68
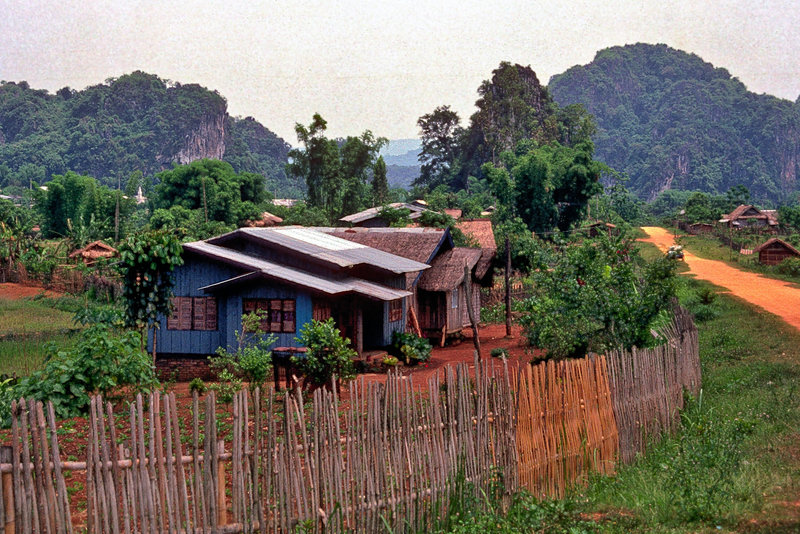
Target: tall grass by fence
column 387, row 457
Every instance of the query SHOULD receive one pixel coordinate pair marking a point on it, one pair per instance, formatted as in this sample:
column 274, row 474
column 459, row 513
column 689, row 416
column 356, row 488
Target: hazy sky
column 376, row 65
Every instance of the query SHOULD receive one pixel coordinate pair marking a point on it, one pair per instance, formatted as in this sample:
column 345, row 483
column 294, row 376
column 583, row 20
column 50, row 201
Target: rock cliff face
column 673, row 121
column 206, row 140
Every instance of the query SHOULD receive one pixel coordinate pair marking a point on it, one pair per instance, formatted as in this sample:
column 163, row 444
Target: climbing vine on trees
column 146, row 263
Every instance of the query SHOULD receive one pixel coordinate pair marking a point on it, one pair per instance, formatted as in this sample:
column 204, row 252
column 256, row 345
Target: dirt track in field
column 775, row 296
column 12, row 291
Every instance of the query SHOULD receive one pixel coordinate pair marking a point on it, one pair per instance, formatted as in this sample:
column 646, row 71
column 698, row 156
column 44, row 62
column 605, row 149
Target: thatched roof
column 748, row 211
column 454, row 213
column 94, row 251
column 447, row 269
column 267, row 219
column 482, row 232
column 418, row 244
column 776, row 241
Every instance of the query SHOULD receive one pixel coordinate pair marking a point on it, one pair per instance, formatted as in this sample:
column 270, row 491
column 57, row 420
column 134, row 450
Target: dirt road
column 775, row 296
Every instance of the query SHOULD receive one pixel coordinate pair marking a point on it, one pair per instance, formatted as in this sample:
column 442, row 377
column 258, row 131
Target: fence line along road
column 388, row 457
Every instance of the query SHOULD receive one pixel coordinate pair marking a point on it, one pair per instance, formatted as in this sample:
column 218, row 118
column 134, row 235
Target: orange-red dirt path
column 775, row 296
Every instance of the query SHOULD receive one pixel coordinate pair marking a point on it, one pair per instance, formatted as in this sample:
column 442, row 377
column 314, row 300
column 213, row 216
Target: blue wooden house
column 293, row 274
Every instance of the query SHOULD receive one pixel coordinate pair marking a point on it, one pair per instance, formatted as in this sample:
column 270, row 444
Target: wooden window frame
column 395, row 310
column 279, row 317
column 193, row 314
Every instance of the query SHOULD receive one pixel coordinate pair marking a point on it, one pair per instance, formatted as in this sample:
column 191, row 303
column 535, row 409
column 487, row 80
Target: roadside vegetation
column 734, row 466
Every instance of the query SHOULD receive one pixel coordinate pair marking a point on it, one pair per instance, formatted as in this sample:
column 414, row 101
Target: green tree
column 549, row 186
column 440, row 134
column 214, row 189
column 380, row 184
column 598, row 295
column 146, row 264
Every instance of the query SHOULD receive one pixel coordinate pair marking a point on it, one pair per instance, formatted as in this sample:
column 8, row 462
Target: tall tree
column 440, row 133
column 380, row 184
column 336, row 171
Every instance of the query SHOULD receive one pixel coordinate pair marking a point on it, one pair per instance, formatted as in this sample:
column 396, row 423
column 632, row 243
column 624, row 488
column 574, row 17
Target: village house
column 748, row 216
column 294, row 275
column 438, row 304
column 774, row 251
column 373, row 218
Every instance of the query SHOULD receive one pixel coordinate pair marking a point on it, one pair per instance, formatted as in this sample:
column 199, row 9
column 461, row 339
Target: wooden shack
column 93, row 252
column 774, row 251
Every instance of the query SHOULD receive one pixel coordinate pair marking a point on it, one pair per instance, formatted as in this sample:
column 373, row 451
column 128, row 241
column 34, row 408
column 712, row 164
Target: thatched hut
column 774, row 251
column 94, row 251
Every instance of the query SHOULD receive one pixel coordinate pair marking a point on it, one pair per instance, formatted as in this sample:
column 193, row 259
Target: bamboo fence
column 391, row 457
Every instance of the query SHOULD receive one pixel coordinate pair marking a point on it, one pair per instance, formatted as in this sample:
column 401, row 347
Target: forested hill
column 670, row 120
column 135, row 122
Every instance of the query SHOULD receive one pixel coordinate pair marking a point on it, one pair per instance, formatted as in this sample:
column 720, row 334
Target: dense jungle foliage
column 137, row 122
column 670, row 120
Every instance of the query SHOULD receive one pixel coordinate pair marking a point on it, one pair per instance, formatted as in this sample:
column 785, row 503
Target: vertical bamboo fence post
column 6, row 457
column 222, row 507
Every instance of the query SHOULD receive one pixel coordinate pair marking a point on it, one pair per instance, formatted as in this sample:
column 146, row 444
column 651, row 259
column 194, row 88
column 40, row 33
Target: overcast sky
column 376, row 65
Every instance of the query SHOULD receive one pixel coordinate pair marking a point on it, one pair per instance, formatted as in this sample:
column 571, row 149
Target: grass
column 28, row 327
column 731, row 466
column 22, row 317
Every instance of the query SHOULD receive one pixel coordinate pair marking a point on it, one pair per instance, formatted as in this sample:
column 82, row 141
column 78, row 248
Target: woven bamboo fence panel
column 647, row 386
column 565, row 424
column 390, row 457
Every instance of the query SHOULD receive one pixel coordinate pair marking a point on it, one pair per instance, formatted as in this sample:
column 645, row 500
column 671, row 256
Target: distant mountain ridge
column 402, row 161
column 673, row 121
column 135, row 122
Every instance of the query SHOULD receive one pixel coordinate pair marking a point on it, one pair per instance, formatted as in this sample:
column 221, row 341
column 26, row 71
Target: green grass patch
column 723, row 466
column 19, row 318
column 20, row 357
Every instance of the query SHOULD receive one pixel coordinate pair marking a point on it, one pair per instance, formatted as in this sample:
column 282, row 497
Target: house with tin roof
column 748, row 216
column 438, row 303
column 292, row 274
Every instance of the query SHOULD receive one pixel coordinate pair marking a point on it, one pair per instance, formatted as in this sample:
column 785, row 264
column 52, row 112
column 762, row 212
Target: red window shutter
column 288, row 316
column 211, row 313
column 172, row 320
column 184, row 313
column 199, row 315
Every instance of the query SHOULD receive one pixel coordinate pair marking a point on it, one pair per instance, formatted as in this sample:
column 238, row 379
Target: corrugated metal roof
column 263, row 268
column 371, row 213
column 329, row 249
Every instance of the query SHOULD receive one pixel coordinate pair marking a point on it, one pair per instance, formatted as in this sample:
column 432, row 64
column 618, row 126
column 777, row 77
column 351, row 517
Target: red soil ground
column 13, row 291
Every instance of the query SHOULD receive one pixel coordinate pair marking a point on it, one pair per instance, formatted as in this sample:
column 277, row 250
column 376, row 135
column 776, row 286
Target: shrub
column 198, row 386
column 390, row 361
column 103, row 361
column 414, row 349
column 499, row 352
column 495, row 314
column 251, row 362
column 328, row 353
column 789, row 267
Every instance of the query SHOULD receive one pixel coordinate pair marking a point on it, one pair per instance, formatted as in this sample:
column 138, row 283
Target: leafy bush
column 789, row 267
column 251, row 362
column 414, row 349
column 197, row 385
column 499, row 352
column 328, row 353
column 103, row 361
column 390, row 361
column 599, row 294
column 495, row 314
